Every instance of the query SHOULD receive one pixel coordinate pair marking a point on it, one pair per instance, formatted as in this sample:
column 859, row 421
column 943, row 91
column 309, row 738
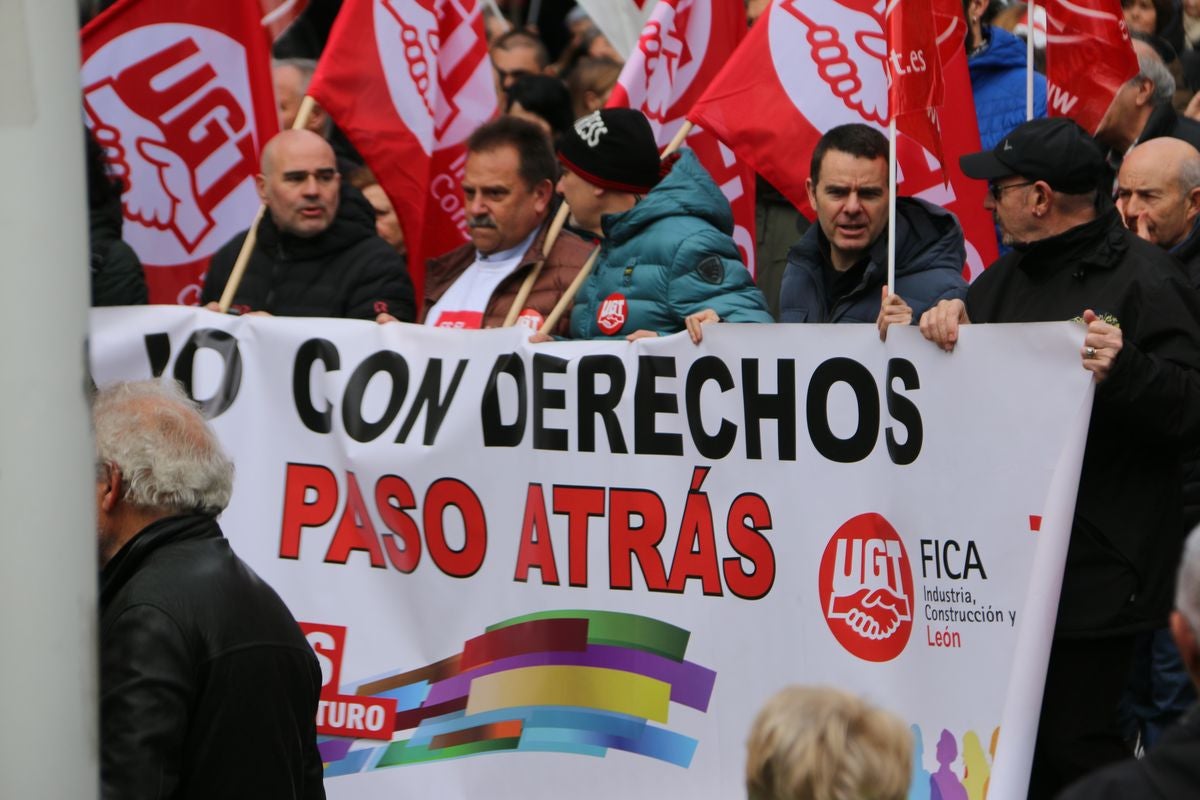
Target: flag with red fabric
column 1089, row 55
column 179, row 95
column 682, row 48
column 914, row 68
column 407, row 81
column 809, row 65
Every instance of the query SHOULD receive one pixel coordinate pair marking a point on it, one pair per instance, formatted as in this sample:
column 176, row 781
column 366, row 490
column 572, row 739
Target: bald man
column 1158, row 194
column 316, row 253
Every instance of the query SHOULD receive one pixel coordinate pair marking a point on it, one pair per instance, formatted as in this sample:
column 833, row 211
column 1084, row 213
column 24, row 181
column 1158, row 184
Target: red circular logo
column 866, row 588
column 612, row 314
column 531, row 318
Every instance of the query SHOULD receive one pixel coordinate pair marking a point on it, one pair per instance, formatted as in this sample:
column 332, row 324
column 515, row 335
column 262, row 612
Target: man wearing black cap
column 667, row 258
column 1073, row 259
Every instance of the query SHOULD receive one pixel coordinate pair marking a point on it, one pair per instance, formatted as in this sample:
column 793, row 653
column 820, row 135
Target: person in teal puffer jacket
column 666, row 252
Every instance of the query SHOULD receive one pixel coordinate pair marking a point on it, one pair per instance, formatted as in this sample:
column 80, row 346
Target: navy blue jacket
column 929, row 262
column 998, row 83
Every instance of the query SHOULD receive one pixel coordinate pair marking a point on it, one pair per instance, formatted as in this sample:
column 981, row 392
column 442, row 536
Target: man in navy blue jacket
column 836, row 273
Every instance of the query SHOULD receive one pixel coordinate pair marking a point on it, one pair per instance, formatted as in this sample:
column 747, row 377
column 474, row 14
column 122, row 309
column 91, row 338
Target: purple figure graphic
column 945, row 785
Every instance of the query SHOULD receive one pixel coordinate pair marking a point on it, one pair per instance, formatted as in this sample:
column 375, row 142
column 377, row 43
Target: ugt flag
column 682, row 48
column 1089, row 55
column 180, row 97
column 809, row 65
column 407, row 81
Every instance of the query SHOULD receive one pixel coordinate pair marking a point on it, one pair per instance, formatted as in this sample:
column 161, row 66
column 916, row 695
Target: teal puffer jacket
column 667, row 257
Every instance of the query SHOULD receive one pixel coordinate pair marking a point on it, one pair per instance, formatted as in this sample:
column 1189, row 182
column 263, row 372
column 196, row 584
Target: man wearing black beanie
column 667, row 258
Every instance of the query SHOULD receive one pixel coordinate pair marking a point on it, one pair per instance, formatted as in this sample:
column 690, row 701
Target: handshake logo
column 866, row 588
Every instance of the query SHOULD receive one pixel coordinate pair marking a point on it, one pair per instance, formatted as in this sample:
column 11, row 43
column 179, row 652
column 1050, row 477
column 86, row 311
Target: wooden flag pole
column 556, row 226
column 569, row 295
column 677, row 142
column 239, row 266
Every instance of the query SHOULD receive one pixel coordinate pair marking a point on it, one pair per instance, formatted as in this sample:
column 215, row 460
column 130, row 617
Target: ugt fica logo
column 866, row 588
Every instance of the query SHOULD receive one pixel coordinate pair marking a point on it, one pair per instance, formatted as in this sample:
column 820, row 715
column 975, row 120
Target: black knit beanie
column 613, row 148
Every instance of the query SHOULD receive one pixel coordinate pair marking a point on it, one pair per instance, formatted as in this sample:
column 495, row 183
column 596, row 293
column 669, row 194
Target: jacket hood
column 686, row 191
column 354, row 221
column 1004, row 51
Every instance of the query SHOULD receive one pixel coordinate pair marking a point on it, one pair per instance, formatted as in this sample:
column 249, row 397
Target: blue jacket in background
column 929, row 261
column 669, row 256
column 998, row 83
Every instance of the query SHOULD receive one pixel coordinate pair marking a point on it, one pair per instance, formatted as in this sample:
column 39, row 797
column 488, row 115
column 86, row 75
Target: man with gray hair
column 207, row 685
column 1141, row 110
column 1172, row 769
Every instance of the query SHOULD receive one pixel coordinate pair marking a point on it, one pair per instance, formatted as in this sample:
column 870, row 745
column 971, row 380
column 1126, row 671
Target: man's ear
column 1193, row 203
column 543, row 192
column 260, row 183
column 1145, row 93
column 811, row 190
column 109, row 487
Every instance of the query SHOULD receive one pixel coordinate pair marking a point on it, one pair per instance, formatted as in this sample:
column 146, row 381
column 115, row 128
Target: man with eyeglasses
column 837, row 271
column 1073, row 258
column 317, row 253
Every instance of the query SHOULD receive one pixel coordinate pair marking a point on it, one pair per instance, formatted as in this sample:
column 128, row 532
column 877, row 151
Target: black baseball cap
column 1056, row 151
column 612, row 148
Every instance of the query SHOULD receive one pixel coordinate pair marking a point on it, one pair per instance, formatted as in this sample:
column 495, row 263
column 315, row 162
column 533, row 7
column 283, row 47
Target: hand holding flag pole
column 239, row 266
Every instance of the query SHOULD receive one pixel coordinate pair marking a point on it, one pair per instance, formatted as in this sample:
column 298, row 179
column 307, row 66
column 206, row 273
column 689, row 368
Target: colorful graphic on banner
column 580, row 682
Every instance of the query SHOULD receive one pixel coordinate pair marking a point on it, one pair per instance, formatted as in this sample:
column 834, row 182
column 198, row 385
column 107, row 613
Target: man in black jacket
column 207, row 686
column 316, row 253
column 1073, row 258
column 1172, row 769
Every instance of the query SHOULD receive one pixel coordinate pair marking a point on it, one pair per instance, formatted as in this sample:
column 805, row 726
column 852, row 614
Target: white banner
column 582, row 567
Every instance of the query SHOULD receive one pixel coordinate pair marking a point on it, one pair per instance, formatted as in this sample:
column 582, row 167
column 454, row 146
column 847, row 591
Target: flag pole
column 891, row 251
column 569, row 295
column 1029, row 10
column 239, row 266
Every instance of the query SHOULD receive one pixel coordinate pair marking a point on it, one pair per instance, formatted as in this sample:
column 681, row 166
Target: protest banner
column 583, row 566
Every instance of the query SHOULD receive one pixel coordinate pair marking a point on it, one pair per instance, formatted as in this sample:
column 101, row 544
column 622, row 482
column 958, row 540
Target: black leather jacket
column 208, row 688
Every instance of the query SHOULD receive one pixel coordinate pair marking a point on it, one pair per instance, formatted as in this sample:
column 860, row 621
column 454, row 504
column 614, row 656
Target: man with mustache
column 316, row 253
column 508, row 188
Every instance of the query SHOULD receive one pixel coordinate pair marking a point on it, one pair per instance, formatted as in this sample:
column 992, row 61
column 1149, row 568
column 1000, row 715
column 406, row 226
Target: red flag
column 914, row 69
column 180, row 96
column 682, row 48
column 407, row 81
column 1089, row 55
column 806, row 67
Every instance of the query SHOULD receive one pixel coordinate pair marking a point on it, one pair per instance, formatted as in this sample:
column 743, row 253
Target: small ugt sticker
column 866, row 588
column 612, row 314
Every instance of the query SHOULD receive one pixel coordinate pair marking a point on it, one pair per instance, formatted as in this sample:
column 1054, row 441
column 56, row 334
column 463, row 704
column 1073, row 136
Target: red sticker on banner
column 612, row 314
column 531, row 319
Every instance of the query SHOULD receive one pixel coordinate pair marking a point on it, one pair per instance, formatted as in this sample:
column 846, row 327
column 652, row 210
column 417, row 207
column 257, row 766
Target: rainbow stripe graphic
column 579, row 682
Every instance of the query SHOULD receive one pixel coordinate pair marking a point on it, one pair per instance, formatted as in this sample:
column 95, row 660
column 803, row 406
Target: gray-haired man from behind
column 207, row 685
column 1172, row 768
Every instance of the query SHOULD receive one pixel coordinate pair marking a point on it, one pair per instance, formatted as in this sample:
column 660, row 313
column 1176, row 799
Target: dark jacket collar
column 1098, row 244
column 169, row 530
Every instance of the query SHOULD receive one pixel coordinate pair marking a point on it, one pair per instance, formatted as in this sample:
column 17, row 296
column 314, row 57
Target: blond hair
column 820, row 743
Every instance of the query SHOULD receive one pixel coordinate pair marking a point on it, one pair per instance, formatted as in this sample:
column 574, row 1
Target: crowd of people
column 1103, row 229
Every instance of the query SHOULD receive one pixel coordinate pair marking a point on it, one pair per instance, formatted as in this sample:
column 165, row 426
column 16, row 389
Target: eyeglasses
column 998, row 191
column 325, row 175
